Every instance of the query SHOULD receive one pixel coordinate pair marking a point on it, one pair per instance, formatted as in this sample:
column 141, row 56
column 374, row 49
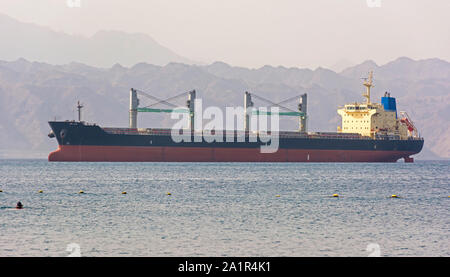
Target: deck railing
column 281, row 134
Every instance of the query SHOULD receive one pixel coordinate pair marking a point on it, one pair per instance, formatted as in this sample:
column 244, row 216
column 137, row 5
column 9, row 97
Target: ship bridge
column 375, row 120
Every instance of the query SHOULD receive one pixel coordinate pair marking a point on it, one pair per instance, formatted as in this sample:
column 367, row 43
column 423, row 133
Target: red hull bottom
column 85, row 153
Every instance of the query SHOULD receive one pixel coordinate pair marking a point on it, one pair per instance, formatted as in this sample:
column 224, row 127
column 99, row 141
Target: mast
column 191, row 107
column 134, row 103
column 368, row 84
column 79, row 107
column 302, row 109
column 247, row 104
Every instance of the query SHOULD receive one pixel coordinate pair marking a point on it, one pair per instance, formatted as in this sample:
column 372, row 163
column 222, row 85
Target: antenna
column 79, row 107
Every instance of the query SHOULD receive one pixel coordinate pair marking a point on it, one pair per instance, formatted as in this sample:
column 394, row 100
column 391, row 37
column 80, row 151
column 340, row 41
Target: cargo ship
column 370, row 132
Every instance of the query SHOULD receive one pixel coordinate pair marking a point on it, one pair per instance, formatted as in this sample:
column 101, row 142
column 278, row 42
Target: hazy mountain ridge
column 403, row 68
column 31, row 93
column 103, row 49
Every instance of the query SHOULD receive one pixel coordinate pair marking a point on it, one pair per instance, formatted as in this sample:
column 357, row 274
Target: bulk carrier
column 370, row 132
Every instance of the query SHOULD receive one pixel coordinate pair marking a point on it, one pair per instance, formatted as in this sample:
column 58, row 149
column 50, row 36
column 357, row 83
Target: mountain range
column 103, row 49
column 31, row 93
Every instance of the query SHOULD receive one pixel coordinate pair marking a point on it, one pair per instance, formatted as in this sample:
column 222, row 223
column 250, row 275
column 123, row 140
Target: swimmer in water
column 19, row 205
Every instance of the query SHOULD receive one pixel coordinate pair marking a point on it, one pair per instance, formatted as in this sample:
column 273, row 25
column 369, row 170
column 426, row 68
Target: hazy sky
column 253, row 33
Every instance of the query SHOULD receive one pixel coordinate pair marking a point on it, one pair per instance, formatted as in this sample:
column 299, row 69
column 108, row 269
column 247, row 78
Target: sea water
column 224, row 209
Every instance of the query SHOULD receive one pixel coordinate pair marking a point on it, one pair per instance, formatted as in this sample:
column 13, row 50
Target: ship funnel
column 134, row 103
column 302, row 107
column 389, row 103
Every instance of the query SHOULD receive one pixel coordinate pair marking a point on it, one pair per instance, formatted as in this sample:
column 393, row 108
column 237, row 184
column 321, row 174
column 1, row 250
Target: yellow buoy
column 81, row 191
column 394, row 196
column 277, row 195
column 40, row 191
column 335, row 195
column 124, row 192
column 169, row 193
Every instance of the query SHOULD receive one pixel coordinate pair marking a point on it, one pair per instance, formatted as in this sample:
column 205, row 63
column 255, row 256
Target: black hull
column 81, row 142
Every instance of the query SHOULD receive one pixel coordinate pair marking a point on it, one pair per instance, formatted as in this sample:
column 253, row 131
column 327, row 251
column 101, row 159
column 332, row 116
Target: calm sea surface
column 229, row 209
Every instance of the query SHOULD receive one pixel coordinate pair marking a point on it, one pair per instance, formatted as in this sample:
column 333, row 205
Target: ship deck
column 281, row 134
